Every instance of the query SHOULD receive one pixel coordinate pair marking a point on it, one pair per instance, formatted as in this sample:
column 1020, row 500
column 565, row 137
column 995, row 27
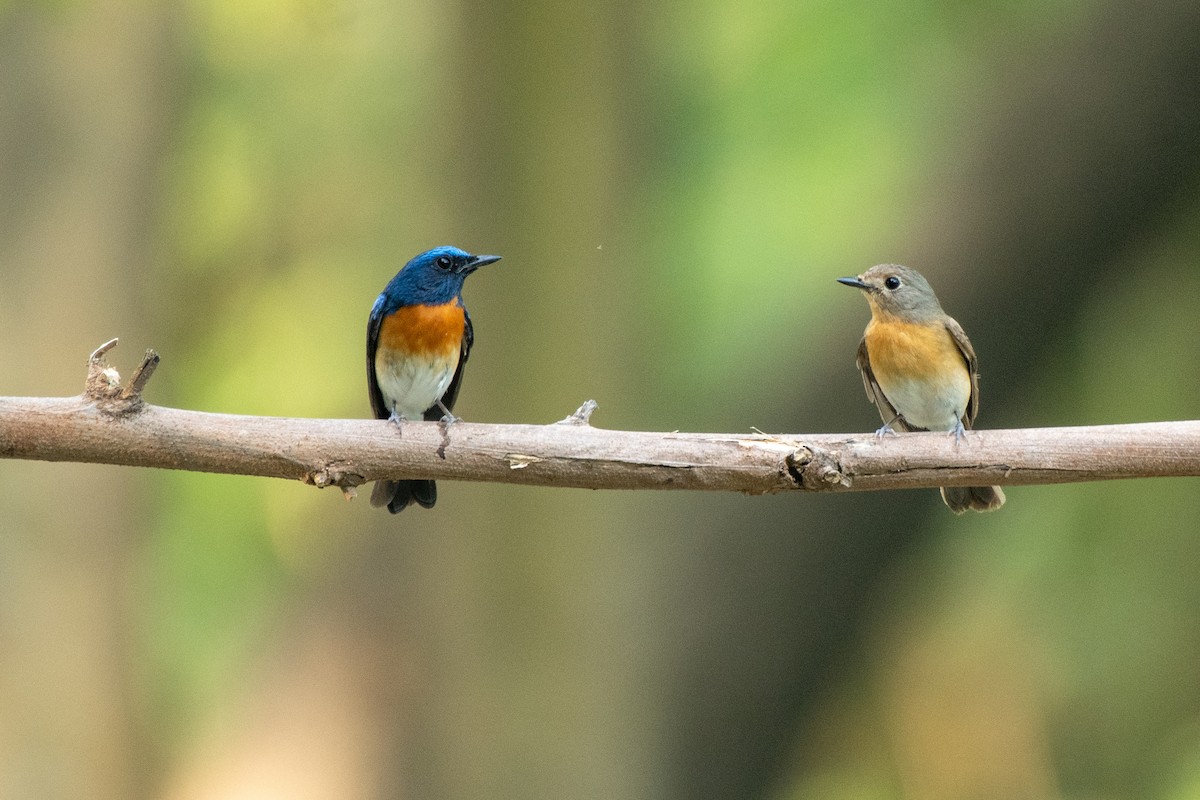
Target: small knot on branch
column 816, row 469
column 582, row 415
column 336, row 474
column 103, row 384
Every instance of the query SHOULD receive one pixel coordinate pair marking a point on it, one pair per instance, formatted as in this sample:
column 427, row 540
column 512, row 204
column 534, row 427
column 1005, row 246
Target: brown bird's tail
column 972, row 498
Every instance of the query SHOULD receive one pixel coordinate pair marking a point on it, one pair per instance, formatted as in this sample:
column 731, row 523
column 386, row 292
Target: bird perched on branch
column 919, row 368
column 418, row 338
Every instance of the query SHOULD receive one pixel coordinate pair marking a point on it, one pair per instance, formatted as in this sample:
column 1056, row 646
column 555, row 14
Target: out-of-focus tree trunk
column 1083, row 148
column 531, row 697
column 81, row 88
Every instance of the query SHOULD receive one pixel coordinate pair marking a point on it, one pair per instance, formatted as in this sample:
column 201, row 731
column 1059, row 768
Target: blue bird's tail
column 398, row 495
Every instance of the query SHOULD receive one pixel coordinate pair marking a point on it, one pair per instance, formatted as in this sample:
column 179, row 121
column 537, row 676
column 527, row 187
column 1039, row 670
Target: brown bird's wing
column 875, row 394
column 968, row 354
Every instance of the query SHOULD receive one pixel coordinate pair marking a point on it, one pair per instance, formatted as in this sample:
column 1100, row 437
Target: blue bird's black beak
column 476, row 262
column 855, row 282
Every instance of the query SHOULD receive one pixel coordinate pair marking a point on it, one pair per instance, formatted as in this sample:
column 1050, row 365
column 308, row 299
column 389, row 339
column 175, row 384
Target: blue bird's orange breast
column 424, row 331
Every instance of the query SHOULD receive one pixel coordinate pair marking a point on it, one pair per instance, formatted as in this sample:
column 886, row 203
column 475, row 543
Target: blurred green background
column 674, row 186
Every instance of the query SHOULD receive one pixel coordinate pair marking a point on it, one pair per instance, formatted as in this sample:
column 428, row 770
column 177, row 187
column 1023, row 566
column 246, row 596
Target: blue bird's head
column 435, row 277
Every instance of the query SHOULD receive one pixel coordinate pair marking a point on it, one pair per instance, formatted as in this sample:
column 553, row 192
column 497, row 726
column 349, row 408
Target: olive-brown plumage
column 919, row 368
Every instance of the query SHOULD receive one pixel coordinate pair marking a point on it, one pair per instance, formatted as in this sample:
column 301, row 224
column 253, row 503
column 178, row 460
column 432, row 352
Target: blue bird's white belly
column 412, row 383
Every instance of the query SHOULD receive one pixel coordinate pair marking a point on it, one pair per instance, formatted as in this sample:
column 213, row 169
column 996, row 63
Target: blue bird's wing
column 377, row 314
column 451, row 394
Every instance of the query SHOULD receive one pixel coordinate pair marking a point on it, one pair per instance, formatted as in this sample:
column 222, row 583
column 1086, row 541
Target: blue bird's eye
column 444, row 262
column 892, row 283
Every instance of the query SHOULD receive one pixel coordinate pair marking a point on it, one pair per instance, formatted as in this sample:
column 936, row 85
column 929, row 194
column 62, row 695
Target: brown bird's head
column 897, row 291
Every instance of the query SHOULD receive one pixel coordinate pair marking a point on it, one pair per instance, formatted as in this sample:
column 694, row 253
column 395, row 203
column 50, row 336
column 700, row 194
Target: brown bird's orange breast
column 914, row 351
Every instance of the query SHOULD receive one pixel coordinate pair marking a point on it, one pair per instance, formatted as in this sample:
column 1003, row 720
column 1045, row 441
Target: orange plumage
column 914, row 351
column 424, row 330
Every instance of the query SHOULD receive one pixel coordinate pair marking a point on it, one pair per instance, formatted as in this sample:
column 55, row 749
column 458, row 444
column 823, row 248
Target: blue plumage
column 418, row 338
column 432, row 278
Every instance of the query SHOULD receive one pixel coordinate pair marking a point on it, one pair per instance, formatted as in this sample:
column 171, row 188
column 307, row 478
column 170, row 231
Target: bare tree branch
column 111, row 425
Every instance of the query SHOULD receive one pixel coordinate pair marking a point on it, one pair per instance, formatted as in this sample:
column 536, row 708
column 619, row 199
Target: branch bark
column 109, row 424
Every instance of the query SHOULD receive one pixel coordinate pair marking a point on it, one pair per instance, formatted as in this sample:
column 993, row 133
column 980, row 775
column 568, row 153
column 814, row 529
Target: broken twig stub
column 103, row 383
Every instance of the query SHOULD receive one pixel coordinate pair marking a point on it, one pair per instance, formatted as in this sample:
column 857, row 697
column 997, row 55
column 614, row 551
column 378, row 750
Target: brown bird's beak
column 855, row 282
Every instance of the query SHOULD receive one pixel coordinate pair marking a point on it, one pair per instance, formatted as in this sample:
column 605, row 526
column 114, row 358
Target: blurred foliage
column 673, row 187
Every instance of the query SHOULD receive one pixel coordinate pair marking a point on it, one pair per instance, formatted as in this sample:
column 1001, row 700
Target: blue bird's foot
column 885, row 430
column 397, row 419
column 448, row 418
column 958, row 432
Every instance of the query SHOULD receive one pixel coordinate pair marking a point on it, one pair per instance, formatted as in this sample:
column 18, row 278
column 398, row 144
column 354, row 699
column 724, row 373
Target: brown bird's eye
column 443, row 262
column 892, row 283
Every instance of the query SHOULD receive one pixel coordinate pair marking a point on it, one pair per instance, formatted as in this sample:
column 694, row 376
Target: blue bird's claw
column 448, row 418
column 958, row 432
column 885, row 430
